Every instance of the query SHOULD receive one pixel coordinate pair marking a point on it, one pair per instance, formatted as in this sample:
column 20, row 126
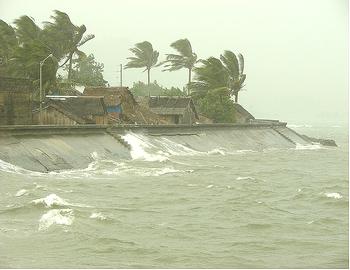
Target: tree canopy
column 25, row 44
column 145, row 57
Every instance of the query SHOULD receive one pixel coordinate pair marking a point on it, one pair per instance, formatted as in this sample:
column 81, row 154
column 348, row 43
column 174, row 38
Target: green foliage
column 216, row 105
column 154, row 89
column 226, row 72
column 25, row 44
column 185, row 59
column 145, row 57
column 88, row 72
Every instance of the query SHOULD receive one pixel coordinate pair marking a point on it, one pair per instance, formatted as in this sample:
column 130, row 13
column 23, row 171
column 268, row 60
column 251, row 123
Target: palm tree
column 145, row 57
column 71, row 34
column 225, row 73
column 235, row 67
column 185, row 59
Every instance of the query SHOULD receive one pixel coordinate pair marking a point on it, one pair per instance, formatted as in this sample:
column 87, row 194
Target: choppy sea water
column 179, row 208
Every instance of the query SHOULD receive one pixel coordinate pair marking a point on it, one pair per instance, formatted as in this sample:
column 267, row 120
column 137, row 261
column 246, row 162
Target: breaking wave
column 56, row 216
column 54, row 200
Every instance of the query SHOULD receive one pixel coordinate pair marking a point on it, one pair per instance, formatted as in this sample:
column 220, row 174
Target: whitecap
column 159, row 172
column 139, row 144
column 54, row 200
column 51, row 200
column 217, row 151
column 245, row 178
column 21, row 192
column 99, row 216
column 334, row 195
column 308, row 147
column 210, row 186
column 56, row 216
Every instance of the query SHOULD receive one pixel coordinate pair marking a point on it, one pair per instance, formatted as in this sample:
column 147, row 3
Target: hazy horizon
column 296, row 52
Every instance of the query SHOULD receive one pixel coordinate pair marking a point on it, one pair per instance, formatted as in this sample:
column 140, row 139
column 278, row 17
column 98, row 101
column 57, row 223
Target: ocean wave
column 56, row 216
column 333, row 195
column 308, row 147
column 21, row 192
column 245, row 178
column 98, row 215
column 54, row 200
column 139, row 144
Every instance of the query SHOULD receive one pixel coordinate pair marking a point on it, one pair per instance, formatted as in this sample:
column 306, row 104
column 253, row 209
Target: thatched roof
column 79, row 107
column 112, row 95
column 243, row 111
column 168, row 105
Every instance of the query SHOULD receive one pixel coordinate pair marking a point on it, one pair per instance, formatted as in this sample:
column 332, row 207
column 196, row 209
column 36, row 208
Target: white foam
column 54, row 200
column 158, row 172
column 21, row 192
column 245, row 178
column 51, row 200
column 210, row 186
column 99, row 216
column 334, row 195
column 139, row 144
column 217, row 151
column 56, row 216
column 308, row 147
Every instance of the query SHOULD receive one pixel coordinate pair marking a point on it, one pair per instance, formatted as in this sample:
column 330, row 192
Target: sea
column 180, row 208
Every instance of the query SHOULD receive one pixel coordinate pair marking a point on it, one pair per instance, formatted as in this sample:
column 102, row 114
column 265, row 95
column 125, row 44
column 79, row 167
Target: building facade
column 15, row 101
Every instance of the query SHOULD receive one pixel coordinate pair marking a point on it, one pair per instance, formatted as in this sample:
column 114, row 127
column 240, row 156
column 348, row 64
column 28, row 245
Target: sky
column 296, row 51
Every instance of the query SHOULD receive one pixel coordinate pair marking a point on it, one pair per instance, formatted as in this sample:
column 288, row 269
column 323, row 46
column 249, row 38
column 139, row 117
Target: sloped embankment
column 62, row 148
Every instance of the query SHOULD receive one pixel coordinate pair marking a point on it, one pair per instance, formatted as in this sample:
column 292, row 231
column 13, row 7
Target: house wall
column 189, row 116
column 50, row 116
column 101, row 120
column 15, row 101
column 240, row 118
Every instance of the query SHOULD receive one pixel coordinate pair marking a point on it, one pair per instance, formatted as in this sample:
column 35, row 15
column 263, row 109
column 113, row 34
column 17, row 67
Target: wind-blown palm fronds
column 145, row 57
column 226, row 72
column 185, row 59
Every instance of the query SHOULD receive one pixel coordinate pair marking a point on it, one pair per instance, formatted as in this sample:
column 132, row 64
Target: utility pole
column 121, row 75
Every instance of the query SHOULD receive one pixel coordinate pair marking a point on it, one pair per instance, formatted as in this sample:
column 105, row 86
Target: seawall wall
column 53, row 148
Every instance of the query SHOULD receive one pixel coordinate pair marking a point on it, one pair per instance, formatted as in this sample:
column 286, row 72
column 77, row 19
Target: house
column 242, row 115
column 72, row 110
column 113, row 98
column 122, row 107
column 172, row 109
column 15, row 101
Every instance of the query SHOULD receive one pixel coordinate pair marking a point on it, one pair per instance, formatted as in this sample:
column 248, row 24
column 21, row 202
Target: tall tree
column 226, row 73
column 185, row 59
column 87, row 71
column 73, row 36
column 145, row 57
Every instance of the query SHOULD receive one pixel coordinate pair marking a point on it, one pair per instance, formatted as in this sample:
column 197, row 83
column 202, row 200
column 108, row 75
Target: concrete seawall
column 51, row 148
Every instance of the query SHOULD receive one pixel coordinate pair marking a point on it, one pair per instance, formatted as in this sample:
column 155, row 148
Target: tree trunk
column 70, row 67
column 189, row 81
column 236, row 97
column 148, row 80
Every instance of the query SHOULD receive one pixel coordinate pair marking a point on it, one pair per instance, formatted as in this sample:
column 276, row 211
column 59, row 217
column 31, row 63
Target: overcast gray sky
column 296, row 51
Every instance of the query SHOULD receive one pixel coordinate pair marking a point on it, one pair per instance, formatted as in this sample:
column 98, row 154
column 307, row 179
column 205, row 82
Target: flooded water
column 175, row 207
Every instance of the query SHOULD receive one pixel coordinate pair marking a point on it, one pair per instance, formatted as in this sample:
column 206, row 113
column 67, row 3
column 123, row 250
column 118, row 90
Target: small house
column 172, row 109
column 113, row 98
column 72, row 110
column 15, row 101
column 242, row 115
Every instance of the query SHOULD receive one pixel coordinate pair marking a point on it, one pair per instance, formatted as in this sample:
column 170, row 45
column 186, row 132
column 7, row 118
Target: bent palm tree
column 185, row 59
column 73, row 35
column 219, row 74
column 145, row 57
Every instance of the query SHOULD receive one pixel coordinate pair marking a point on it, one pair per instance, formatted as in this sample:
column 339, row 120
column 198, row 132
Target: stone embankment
column 54, row 148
